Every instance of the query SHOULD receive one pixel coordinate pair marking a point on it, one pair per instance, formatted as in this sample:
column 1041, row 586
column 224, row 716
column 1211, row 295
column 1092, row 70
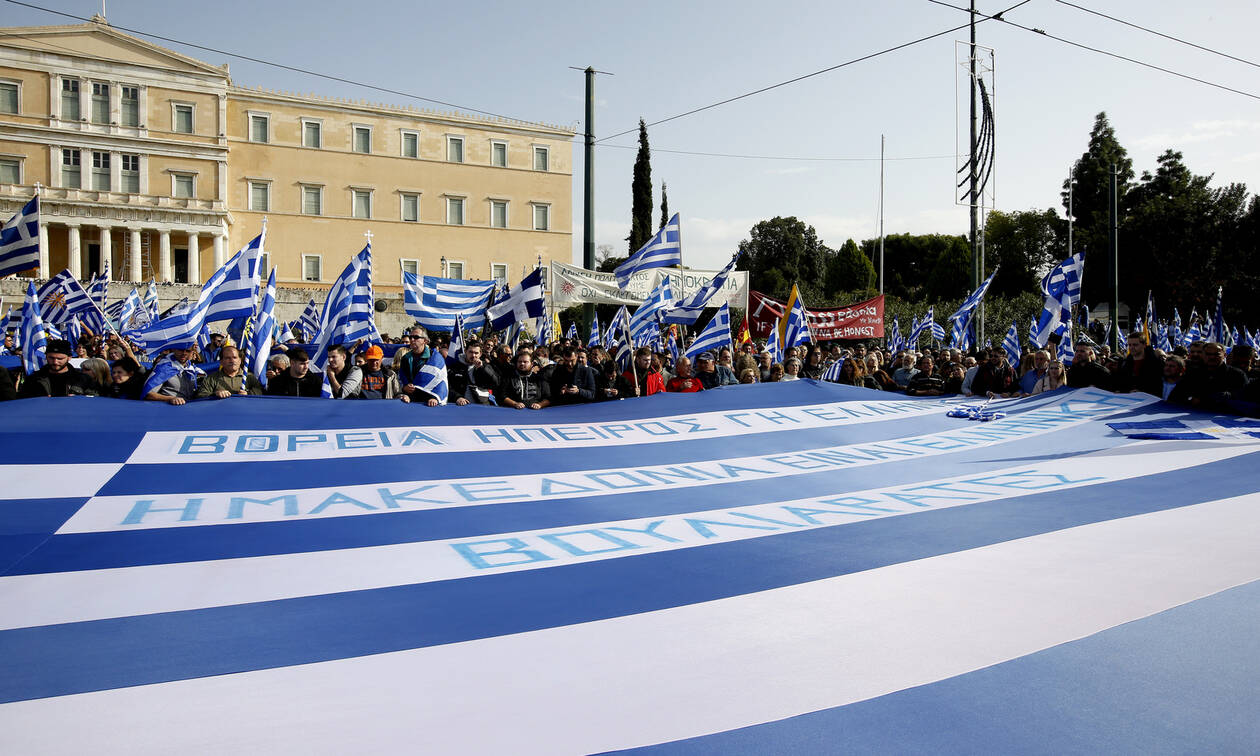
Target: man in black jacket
column 1141, row 370
column 297, row 380
column 571, row 383
column 1212, row 386
column 56, row 377
column 523, row 387
column 1086, row 372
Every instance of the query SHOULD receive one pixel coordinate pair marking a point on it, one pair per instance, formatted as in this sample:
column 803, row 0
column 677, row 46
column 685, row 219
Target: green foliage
column 911, row 259
column 1090, row 183
column 848, row 268
column 783, row 251
column 641, row 194
column 664, row 206
column 1024, row 243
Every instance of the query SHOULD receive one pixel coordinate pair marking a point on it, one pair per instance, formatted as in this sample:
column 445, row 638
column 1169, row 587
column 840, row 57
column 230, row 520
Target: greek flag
column 593, row 339
column 62, row 297
column 671, row 345
column 1149, row 322
column 795, row 321
column 19, row 240
column 98, row 287
column 128, row 309
column 572, row 333
column 961, row 335
column 226, row 295
column 715, row 335
column 258, row 348
column 624, row 354
column 1061, row 288
column 662, row 250
column 1067, row 347
column 834, row 371
column 74, row 331
column 773, row 345
column 433, row 377
column 167, row 368
column 645, row 327
column 1032, row 331
column 203, row 339
column 1174, row 331
column 524, row 301
column 33, row 334
column 1216, row 330
column 456, row 349
column 151, row 307
column 348, row 310
column 1011, row 345
column 308, row 323
column 436, row 302
column 894, row 338
column 687, row 311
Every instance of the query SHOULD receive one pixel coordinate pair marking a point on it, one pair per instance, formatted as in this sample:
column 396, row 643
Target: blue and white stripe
column 348, row 310
column 687, row 310
column 433, row 377
column 645, row 324
column 961, row 319
column 19, row 240
column 716, row 334
column 1061, row 288
column 664, row 249
column 524, row 301
column 436, row 302
column 258, row 349
column 32, row 333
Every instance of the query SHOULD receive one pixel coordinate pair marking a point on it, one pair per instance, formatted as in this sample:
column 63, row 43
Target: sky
column 667, row 58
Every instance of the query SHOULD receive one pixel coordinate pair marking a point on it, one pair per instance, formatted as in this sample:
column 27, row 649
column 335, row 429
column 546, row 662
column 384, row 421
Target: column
column 107, row 251
column 43, row 250
column 134, row 270
column 164, row 256
column 220, row 244
column 194, row 258
column 75, row 261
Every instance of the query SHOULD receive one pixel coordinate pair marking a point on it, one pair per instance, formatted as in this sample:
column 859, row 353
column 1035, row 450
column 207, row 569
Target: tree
column 951, row 271
column 910, row 259
column 848, row 270
column 1024, row 244
column 783, row 251
column 641, row 193
column 664, row 206
column 605, row 260
column 1090, row 201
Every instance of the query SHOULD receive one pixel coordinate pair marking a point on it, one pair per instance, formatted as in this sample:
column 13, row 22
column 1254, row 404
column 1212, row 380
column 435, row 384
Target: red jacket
column 650, row 382
column 676, row 385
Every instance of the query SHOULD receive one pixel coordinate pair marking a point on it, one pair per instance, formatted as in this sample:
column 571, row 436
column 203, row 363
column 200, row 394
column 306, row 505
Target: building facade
column 159, row 164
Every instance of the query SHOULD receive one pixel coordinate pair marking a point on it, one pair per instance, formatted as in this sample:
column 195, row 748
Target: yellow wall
column 33, row 103
column 35, row 166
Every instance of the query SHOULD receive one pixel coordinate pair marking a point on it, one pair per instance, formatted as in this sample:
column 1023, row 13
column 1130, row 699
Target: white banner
column 570, row 285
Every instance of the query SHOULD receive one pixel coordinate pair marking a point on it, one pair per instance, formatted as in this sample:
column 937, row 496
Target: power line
column 782, row 157
column 273, row 64
column 1152, row 66
column 819, row 72
column 1159, row 34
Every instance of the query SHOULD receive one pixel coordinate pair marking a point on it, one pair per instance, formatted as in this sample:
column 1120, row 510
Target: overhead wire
column 1159, row 33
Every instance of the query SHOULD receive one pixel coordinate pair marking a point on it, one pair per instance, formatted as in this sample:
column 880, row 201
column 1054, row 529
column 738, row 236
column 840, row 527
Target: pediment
column 101, row 41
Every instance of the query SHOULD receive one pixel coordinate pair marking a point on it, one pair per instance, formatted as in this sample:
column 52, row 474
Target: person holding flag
column 56, row 377
column 231, row 379
column 1142, row 369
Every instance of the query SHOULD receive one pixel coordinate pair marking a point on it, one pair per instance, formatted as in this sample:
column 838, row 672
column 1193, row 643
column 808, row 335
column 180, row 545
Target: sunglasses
column 414, row 336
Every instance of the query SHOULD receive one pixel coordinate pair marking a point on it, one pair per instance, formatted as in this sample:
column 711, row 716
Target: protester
column 1055, row 377
column 1085, row 372
column 1174, row 371
column 229, row 379
column 711, row 374
column 1141, row 370
column 524, row 388
column 96, row 369
column 298, row 380
column 408, row 363
column 378, row 381
column 126, row 379
column 1212, row 386
column 1040, row 365
column 995, row 377
column 645, row 380
column 571, row 382
column 925, row 381
column 684, row 382
column 173, row 379
column 344, row 379
column 56, row 377
column 610, row 384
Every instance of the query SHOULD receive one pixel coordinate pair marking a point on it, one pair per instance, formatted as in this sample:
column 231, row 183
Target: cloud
column 1199, row 131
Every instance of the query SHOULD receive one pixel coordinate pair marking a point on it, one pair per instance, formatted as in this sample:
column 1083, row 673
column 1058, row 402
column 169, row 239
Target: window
column 311, row 267
column 542, row 217
column 455, row 270
column 312, row 134
column 8, row 97
column 100, row 102
column 70, row 99
column 129, row 106
column 10, row 171
column 541, row 154
column 100, row 171
column 362, row 139
column 410, row 144
column 259, row 127
column 498, row 271
column 182, row 118
column 183, row 185
column 411, row 207
column 411, row 266
column 70, row 169
column 498, row 154
column 455, row 149
column 312, row 200
column 259, row 196
column 455, row 211
column 130, row 176
column 498, row 213
column 361, row 203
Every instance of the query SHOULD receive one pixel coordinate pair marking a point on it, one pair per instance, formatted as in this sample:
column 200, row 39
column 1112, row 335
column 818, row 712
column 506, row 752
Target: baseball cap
column 374, row 353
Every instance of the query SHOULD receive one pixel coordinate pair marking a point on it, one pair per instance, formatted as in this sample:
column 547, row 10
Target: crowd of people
column 1204, row 375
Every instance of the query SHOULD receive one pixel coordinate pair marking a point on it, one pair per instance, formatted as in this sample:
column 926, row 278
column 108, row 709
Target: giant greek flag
column 772, row 568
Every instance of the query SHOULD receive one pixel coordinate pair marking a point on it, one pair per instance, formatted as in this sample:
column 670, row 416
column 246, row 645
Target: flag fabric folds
column 686, row 311
column 32, row 332
column 150, row 301
column 1217, row 327
column 795, row 322
column 19, row 240
column 258, row 571
column 62, row 297
column 834, row 371
column 662, row 250
column 524, row 301
column 572, row 334
column 1062, row 289
column 1010, row 345
column 432, row 378
column 165, row 369
column 308, row 322
column 258, row 348
column 435, row 302
column 716, row 334
column 593, row 339
column 456, row 348
column 348, row 311
column 645, row 326
column 961, row 332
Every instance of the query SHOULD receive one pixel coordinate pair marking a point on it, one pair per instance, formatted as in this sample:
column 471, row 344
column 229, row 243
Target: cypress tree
column 641, row 194
column 664, row 206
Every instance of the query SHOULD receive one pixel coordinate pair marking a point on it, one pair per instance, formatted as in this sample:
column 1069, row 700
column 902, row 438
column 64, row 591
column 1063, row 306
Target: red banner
column 864, row 320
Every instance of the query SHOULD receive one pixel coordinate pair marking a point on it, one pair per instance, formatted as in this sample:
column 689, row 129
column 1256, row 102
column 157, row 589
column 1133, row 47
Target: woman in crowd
column 98, row 370
column 791, row 369
column 876, row 372
column 126, row 380
column 748, row 375
column 813, row 367
column 1055, row 377
column 853, row 373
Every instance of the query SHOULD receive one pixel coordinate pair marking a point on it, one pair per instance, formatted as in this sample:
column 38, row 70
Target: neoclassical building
column 158, row 163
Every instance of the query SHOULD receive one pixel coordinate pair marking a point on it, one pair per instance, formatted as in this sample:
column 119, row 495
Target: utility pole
column 881, row 215
column 588, row 188
column 1114, row 226
column 973, row 178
